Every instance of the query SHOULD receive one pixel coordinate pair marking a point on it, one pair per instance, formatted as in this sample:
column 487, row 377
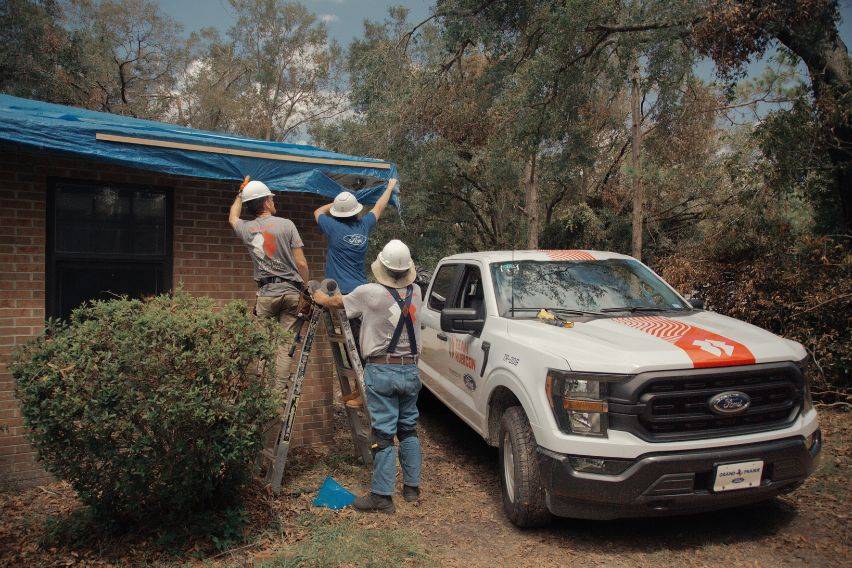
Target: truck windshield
column 610, row 286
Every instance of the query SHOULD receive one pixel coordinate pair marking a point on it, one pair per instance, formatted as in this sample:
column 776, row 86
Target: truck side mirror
column 462, row 320
column 697, row 303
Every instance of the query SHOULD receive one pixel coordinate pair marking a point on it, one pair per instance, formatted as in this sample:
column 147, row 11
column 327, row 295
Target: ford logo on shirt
column 355, row 239
column 730, row 402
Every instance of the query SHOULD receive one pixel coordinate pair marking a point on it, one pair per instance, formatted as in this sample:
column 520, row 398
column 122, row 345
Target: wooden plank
column 235, row 152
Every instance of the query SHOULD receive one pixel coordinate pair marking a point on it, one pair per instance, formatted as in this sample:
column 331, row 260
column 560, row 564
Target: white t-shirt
column 379, row 315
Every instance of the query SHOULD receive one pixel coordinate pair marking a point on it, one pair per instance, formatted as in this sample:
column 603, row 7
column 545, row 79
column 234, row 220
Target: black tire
column 523, row 495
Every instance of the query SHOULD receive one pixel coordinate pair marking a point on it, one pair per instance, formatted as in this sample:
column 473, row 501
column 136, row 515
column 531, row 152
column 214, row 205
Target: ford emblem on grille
column 730, row 402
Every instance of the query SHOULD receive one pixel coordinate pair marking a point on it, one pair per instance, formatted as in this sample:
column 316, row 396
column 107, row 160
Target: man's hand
column 331, row 302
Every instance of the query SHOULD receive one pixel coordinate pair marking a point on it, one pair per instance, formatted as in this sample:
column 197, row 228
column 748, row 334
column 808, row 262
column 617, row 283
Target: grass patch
column 336, row 542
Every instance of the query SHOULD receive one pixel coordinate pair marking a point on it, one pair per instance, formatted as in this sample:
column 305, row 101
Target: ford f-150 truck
column 607, row 393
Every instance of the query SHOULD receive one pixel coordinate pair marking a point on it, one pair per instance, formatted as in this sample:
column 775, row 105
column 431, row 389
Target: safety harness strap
column 404, row 320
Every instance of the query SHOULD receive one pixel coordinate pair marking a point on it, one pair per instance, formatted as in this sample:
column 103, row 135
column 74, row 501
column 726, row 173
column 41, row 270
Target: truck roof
column 540, row 255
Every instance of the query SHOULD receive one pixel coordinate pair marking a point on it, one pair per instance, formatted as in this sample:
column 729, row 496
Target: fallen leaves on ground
column 460, row 521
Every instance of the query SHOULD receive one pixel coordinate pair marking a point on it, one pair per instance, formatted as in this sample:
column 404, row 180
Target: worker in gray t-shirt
column 390, row 340
column 275, row 248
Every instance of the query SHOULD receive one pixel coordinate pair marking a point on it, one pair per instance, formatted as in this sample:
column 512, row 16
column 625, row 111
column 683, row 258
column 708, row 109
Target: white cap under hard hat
column 254, row 190
column 394, row 266
column 345, row 205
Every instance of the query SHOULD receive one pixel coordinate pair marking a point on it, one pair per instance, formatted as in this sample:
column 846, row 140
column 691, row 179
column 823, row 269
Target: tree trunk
column 638, row 194
column 531, row 200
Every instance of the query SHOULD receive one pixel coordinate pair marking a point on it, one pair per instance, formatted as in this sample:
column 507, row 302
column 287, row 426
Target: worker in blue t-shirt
column 347, row 236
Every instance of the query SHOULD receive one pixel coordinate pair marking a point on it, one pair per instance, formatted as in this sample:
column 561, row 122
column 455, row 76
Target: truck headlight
column 578, row 401
column 807, row 402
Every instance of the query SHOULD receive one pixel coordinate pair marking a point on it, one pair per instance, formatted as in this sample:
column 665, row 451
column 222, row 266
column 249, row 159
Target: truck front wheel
column 520, row 478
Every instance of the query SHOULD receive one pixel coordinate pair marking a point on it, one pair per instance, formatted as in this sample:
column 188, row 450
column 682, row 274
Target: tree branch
column 644, row 27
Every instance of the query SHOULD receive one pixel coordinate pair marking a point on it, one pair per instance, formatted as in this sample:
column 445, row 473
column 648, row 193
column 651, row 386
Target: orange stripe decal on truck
column 705, row 348
column 569, row 255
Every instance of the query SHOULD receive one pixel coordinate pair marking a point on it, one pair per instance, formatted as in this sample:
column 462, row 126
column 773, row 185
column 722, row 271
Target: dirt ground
column 459, row 522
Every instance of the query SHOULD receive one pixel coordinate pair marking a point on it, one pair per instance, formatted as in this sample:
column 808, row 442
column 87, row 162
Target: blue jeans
column 392, row 402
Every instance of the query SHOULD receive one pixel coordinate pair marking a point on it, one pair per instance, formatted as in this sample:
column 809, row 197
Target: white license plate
column 741, row 475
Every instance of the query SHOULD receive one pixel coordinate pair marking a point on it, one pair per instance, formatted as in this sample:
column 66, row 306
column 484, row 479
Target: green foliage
column 794, row 143
column 39, row 57
column 579, row 228
column 151, row 407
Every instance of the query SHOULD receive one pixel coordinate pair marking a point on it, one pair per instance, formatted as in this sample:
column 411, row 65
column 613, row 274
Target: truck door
column 434, row 358
column 464, row 351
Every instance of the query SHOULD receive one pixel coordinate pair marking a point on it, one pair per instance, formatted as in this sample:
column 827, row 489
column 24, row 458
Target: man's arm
column 332, row 302
column 301, row 263
column 237, row 205
column 321, row 211
column 383, row 200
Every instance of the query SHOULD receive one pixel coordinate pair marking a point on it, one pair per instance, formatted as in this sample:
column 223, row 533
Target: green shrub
column 150, row 408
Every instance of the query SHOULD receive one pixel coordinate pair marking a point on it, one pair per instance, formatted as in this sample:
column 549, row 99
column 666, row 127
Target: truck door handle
column 486, row 348
column 442, row 336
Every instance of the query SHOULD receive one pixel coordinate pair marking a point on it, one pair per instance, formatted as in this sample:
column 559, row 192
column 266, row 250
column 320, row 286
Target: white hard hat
column 254, row 190
column 394, row 266
column 396, row 256
column 345, row 205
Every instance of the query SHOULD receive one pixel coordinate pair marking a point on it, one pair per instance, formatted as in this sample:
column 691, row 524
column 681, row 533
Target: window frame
column 53, row 258
column 462, row 282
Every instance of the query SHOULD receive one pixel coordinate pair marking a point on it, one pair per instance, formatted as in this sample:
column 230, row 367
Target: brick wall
column 208, row 260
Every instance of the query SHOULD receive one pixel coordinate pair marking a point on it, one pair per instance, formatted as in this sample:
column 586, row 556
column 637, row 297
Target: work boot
column 372, row 503
column 410, row 493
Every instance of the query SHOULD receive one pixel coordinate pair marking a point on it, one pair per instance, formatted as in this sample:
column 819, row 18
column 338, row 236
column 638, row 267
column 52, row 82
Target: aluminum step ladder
column 350, row 376
column 349, row 373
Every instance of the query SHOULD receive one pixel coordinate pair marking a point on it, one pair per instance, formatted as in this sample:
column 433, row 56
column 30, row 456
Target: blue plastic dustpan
column 333, row 495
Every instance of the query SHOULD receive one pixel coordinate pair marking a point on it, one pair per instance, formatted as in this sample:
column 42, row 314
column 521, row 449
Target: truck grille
column 667, row 406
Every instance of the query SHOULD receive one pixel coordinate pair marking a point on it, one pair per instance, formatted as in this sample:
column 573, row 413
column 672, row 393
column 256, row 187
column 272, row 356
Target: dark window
column 471, row 294
column 106, row 241
column 442, row 287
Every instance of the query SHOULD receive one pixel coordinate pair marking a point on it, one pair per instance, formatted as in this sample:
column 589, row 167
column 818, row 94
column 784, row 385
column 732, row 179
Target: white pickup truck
column 607, row 393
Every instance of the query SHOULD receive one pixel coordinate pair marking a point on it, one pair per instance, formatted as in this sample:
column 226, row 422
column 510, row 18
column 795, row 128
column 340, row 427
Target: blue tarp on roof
column 72, row 130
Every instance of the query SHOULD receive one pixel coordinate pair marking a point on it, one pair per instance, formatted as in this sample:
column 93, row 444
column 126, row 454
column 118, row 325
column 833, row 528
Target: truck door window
column 472, row 294
column 442, row 287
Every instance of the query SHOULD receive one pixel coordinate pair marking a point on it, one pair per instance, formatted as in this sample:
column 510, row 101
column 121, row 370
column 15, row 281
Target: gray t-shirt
column 270, row 241
column 379, row 314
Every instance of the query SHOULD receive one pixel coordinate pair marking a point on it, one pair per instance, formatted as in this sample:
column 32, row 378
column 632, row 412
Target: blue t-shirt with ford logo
column 347, row 247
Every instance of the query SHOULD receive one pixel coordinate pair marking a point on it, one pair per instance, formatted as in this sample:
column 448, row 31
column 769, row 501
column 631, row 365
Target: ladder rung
column 336, row 338
column 348, row 373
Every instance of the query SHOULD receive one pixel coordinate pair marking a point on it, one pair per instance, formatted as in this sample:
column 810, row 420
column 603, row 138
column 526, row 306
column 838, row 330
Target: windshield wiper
column 565, row 311
column 633, row 309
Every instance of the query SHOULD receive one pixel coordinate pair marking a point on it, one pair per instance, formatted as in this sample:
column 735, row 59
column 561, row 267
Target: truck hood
column 635, row 344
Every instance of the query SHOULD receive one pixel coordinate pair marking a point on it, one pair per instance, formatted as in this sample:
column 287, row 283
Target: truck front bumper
column 674, row 482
